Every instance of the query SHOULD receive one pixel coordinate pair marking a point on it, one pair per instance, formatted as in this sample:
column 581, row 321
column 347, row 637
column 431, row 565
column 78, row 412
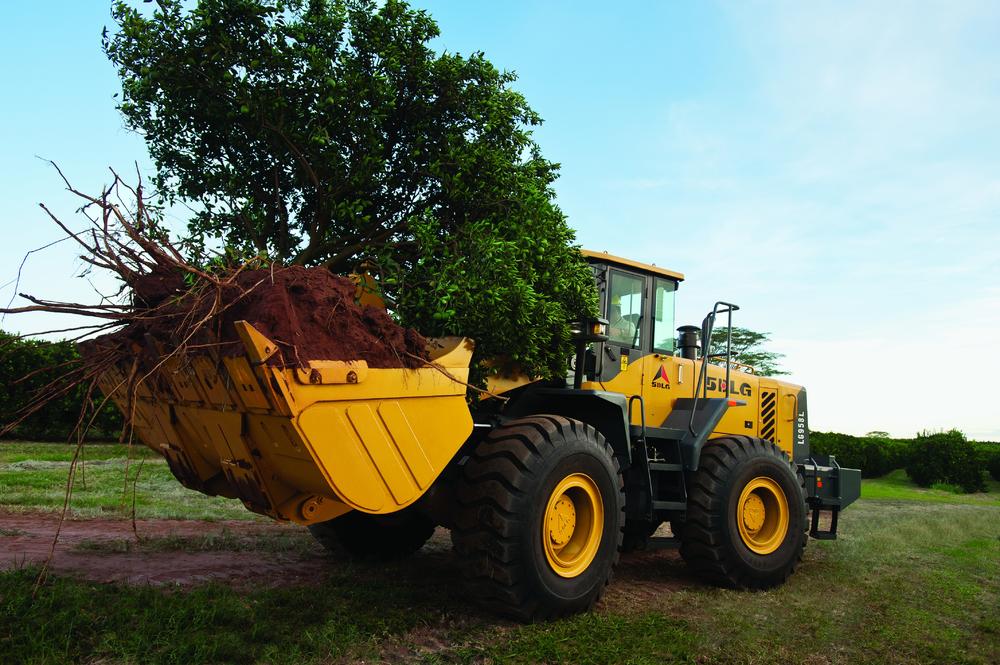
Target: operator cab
column 637, row 299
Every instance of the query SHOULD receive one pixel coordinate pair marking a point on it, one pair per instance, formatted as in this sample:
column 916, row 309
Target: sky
column 831, row 167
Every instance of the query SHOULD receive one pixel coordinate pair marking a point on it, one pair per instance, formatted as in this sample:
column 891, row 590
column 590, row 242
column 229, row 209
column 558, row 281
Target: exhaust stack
column 688, row 341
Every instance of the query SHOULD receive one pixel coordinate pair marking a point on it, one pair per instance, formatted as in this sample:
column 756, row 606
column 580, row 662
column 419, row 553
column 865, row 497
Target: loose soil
column 311, row 313
column 30, row 541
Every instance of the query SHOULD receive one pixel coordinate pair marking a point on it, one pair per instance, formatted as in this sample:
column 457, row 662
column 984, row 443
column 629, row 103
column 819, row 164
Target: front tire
column 746, row 520
column 541, row 506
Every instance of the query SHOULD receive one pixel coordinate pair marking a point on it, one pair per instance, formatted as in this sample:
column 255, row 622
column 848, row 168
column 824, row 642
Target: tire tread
column 490, row 494
column 703, row 541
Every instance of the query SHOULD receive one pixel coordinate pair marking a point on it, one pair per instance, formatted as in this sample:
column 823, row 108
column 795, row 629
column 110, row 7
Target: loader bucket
column 304, row 444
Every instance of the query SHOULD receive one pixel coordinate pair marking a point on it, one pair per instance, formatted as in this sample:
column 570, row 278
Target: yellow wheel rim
column 762, row 515
column 572, row 525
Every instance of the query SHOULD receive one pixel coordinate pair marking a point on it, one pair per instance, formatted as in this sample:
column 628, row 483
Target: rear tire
column 540, row 515
column 746, row 520
column 374, row 537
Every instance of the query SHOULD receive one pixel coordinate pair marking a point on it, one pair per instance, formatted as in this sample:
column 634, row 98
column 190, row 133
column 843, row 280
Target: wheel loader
column 542, row 484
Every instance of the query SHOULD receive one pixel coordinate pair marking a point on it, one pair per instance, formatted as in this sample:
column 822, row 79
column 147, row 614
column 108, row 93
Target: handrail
column 642, row 412
column 706, row 339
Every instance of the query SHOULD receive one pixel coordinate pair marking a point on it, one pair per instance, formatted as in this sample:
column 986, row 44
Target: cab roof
column 629, row 263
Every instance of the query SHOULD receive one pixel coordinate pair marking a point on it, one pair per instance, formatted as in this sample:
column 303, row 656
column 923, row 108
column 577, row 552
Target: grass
column 33, row 476
column 70, row 621
column 913, row 578
column 12, row 452
column 296, row 541
column 906, row 582
column 587, row 639
column 897, row 486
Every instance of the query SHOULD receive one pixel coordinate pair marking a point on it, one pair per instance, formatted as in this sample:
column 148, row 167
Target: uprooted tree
column 167, row 309
column 329, row 133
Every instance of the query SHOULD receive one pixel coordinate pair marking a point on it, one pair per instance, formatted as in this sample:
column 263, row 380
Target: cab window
column 625, row 309
column 663, row 315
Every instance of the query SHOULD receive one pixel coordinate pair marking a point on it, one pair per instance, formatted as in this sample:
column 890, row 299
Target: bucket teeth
column 259, row 348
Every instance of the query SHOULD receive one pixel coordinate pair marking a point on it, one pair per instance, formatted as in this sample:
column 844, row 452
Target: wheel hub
column 572, row 525
column 562, row 521
column 762, row 515
column 754, row 513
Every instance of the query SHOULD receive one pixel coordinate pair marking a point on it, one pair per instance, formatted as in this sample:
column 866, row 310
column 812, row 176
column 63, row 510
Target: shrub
column 874, row 455
column 946, row 457
column 989, row 456
column 27, row 366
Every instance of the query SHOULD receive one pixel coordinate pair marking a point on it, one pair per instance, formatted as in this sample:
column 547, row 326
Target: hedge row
column 945, row 457
column 29, row 367
column 874, row 455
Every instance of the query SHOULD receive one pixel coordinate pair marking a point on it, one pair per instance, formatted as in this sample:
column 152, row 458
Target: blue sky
column 834, row 168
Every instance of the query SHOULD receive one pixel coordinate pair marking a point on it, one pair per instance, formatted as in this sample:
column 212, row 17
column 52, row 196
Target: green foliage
column 29, row 368
column 930, row 459
column 989, row 455
column 946, row 457
column 520, row 317
column 330, row 133
column 747, row 348
column 874, row 455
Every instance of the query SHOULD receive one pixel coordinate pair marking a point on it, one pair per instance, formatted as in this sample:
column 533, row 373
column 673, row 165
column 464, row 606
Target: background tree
column 328, row 133
column 748, row 348
column 31, row 369
column 947, row 457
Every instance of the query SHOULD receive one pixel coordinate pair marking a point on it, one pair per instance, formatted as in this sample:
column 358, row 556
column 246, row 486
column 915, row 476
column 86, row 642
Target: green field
column 897, row 486
column 33, row 476
column 914, row 578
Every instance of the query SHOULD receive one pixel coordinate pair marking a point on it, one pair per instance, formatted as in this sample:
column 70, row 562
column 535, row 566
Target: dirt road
column 105, row 550
column 245, row 554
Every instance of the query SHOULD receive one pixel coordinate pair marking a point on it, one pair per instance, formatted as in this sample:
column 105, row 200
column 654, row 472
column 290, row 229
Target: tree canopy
column 329, row 133
column 748, row 348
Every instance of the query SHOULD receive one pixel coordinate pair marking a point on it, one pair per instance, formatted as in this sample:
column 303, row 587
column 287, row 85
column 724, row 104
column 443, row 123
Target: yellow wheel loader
column 543, row 484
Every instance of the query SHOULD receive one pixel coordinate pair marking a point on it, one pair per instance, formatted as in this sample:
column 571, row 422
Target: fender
column 607, row 412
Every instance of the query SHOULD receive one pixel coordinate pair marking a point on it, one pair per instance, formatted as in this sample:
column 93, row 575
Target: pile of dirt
column 311, row 313
column 169, row 308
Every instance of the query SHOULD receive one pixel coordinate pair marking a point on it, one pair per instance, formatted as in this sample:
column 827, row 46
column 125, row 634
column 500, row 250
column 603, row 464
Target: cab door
column 666, row 376
column 624, row 306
